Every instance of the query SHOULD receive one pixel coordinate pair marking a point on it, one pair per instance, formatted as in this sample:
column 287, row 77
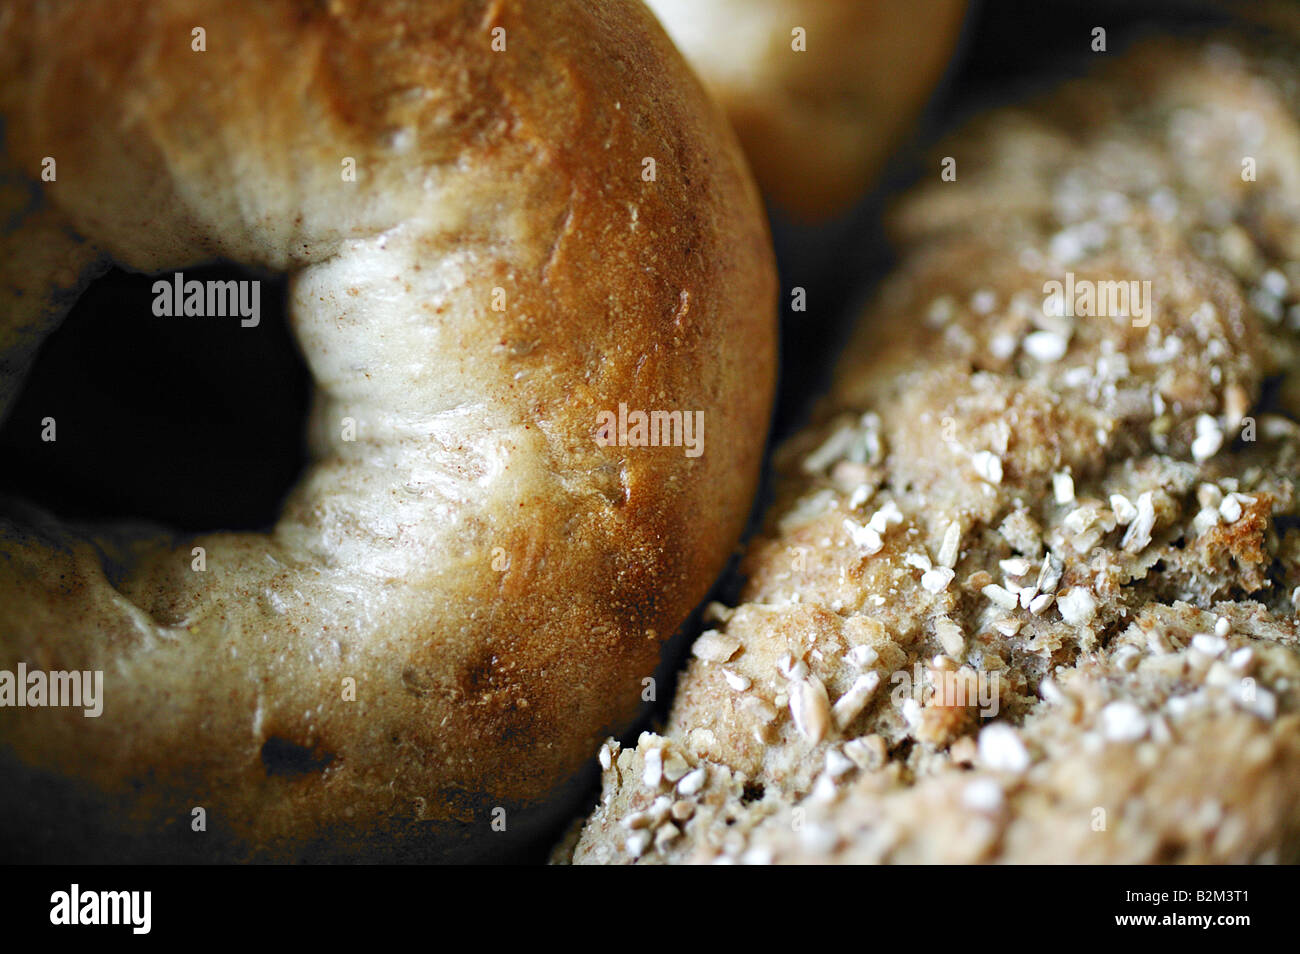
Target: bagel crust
column 492, row 580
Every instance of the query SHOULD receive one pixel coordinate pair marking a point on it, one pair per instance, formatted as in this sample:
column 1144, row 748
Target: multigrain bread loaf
column 1027, row 591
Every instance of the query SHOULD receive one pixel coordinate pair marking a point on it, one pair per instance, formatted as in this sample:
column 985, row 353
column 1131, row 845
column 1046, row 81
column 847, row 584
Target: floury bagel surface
column 466, row 589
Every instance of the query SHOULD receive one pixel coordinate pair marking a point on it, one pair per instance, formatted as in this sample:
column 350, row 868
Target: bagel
column 1028, row 589
column 470, row 583
column 819, row 91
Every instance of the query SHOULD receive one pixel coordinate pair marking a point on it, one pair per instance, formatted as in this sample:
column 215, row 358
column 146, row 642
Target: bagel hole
column 193, row 422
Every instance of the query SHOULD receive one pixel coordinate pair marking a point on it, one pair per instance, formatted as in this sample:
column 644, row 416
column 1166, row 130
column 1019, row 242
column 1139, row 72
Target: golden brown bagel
column 477, row 687
column 818, row 123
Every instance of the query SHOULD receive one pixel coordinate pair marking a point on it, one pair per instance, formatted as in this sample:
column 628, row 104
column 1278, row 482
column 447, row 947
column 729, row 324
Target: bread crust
column 818, row 111
column 494, row 581
column 1093, row 515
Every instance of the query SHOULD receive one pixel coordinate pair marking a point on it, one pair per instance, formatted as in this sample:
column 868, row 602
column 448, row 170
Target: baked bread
column 820, row 110
column 462, row 598
column 1028, row 589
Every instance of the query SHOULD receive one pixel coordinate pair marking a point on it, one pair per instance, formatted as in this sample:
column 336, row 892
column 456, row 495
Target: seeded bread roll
column 1027, row 592
column 466, row 588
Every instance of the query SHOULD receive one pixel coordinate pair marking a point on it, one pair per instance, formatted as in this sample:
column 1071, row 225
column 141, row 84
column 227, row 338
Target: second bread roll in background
column 820, row 92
